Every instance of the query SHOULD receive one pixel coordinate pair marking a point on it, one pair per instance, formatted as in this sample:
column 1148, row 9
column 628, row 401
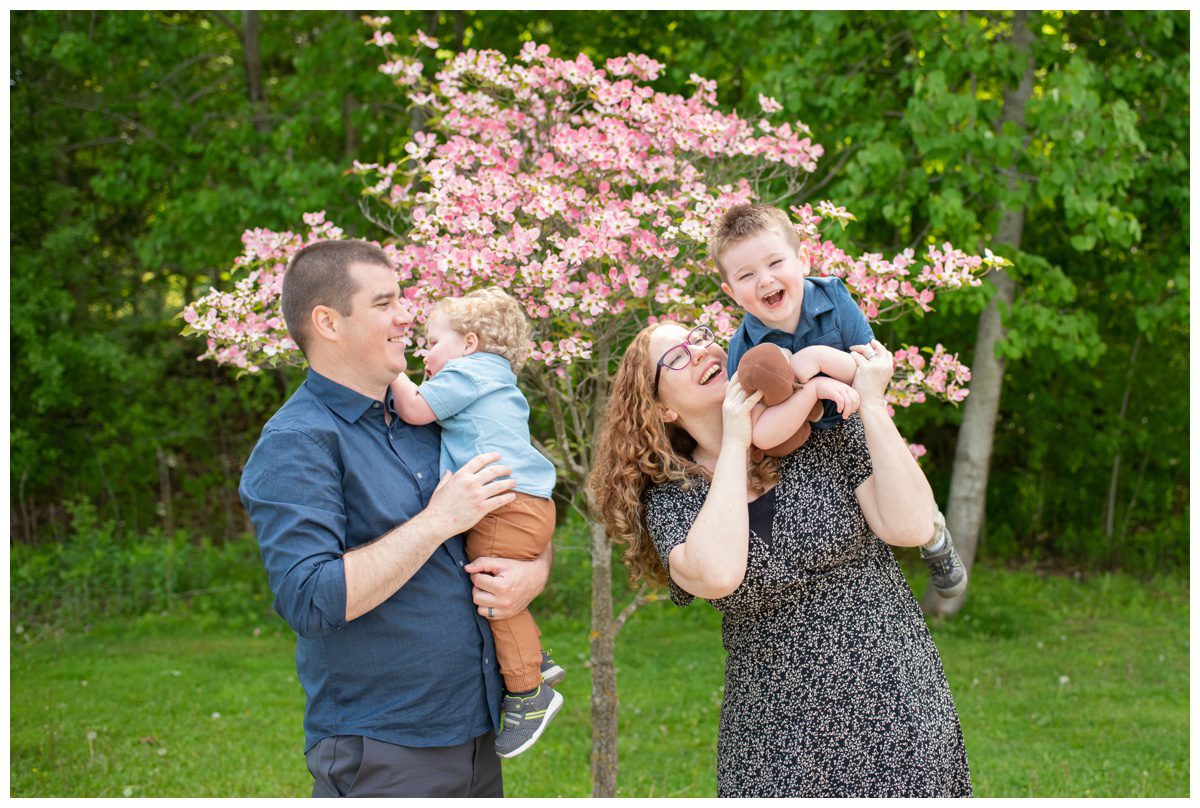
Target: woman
column 832, row 684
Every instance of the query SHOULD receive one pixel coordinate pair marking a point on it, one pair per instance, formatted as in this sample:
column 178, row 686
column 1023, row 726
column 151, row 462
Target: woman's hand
column 873, row 373
column 735, row 413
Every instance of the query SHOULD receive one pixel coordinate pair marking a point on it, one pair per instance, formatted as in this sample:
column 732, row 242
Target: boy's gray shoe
column 523, row 720
column 552, row 674
column 946, row 570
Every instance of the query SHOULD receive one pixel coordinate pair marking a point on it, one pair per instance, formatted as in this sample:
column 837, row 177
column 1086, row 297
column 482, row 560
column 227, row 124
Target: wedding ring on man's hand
column 491, row 613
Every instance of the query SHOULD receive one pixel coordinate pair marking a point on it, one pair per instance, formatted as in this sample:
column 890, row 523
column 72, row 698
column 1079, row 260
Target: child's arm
column 808, row 362
column 406, row 398
column 771, row 426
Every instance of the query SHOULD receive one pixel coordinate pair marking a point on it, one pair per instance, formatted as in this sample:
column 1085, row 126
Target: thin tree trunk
column 604, row 670
column 164, row 491
column 1111, row 508
column 349, row 104
column 973, row 453
column 1137, row 489
column 348, row 107
column 251, row 26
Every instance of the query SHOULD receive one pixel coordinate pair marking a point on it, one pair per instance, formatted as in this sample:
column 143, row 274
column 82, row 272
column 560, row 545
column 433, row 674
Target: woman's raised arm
column 711, row 562
column 896, row 499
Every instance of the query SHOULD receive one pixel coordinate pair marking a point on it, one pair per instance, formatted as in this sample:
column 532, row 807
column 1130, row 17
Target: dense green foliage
column 143, row 143
column 1064, row 687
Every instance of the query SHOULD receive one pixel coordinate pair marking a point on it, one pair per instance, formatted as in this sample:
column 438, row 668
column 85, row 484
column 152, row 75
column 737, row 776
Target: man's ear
column 325, row 322
column 472, row 343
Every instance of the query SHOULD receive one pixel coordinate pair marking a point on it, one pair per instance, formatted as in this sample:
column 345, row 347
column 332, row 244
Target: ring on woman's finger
column 491, row 613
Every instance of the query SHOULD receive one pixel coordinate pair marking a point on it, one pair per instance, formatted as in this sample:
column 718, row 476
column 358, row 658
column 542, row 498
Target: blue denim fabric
column 828, row 316
column 328, row 475
column 481, row 409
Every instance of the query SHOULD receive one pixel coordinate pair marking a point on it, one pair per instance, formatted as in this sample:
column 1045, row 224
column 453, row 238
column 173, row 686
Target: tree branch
column 228, row 23
column 833, row 172
column 73, row 104
column 644, row 596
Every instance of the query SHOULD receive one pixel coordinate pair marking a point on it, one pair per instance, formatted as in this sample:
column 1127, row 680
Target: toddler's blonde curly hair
column 495, row 317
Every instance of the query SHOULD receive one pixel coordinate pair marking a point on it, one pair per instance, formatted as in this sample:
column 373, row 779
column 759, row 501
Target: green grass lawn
column 1064, row 688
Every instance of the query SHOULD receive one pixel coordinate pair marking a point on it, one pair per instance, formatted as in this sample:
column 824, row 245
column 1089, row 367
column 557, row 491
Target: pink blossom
column 769, row 104
column 588, row 195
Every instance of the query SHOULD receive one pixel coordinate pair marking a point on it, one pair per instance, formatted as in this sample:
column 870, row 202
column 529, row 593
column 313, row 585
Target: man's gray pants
column 355, row 766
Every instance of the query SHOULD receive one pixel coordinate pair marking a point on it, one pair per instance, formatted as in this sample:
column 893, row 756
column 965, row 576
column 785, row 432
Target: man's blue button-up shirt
column 828, row 316
column 328, row 475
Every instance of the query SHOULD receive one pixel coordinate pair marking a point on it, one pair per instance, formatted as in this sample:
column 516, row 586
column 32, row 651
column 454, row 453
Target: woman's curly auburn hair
column 638, row 449
column 493, row 316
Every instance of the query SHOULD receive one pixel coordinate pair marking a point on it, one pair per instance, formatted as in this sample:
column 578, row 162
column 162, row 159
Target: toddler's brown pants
column 522, row 530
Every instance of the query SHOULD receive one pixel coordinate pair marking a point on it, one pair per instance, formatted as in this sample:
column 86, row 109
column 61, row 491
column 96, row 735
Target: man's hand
column 471, row 493
column 506, row 584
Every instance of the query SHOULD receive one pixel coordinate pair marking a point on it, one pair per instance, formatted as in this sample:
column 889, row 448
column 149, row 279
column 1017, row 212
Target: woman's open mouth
column 711, row 373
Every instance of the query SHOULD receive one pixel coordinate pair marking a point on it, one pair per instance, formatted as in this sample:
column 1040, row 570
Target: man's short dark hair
column 319, row 275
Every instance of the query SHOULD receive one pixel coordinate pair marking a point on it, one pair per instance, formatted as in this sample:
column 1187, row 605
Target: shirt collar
column 816, row 301
column 347, row 403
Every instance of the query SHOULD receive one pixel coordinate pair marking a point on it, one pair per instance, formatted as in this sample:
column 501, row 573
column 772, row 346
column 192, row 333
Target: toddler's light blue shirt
column 476, row 401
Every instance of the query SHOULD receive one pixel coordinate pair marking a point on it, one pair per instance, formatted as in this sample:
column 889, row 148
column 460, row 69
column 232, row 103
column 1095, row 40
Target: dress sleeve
column 856, row 457
column 669, row 514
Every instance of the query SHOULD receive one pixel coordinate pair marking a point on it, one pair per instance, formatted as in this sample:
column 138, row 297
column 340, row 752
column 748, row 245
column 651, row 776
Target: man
column 362, row 544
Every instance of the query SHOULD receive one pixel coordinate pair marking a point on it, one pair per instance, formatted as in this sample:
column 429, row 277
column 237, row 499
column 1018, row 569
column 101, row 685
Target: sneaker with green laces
column 552, row 674
column 946, row 570
column 524, row 719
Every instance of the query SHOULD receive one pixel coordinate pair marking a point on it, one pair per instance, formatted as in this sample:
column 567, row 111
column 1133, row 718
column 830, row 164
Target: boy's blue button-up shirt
column 480, row 409
column 328, row 475
column 828, row 316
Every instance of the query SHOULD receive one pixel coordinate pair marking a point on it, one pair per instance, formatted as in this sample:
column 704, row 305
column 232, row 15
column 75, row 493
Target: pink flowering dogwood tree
column 588, row 195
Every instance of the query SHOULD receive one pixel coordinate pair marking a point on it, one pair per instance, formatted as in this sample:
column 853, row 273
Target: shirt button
column 375, row 405
column 420, row 476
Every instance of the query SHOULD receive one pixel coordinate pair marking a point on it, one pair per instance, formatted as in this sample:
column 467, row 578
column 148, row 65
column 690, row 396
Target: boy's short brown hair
column 743, row 221
column 319, row 275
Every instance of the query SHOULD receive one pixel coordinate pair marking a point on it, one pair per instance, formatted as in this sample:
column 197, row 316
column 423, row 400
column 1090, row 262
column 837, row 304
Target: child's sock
column 935, row 544
column 523, row 695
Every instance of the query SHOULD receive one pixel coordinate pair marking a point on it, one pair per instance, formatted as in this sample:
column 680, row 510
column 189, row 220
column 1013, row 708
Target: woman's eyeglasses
column 680, row 356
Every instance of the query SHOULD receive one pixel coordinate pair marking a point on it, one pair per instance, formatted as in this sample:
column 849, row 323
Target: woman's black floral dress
column 833, row 686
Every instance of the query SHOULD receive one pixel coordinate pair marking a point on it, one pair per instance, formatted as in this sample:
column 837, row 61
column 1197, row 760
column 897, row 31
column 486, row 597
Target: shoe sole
column 953, row 591
column 551, row 711
column 552, row 676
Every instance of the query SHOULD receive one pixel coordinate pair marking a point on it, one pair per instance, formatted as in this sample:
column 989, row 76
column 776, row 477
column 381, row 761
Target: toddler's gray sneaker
column 523, row 720
column 946, row 570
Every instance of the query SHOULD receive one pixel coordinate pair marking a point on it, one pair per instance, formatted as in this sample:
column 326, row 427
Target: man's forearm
column 375, row 571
